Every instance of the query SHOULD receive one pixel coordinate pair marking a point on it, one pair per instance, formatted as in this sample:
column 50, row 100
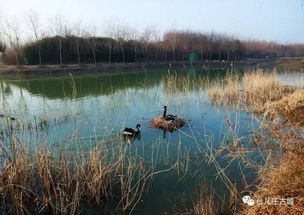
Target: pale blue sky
column 275, row 20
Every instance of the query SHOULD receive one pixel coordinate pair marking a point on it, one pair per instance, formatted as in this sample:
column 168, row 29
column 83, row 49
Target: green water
column 82, row 109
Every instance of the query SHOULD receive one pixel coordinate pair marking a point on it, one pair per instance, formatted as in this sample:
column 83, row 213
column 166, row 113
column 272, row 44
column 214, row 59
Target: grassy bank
column 295, row 63
column 261, row 93
column 281, row 112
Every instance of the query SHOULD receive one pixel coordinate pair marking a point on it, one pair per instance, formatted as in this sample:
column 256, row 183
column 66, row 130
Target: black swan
column 130, row 132
column 167, row 122
column 168, row 116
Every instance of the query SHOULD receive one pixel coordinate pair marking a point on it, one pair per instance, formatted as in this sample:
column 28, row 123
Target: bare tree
column 184, row 39
column 156, row 40
column 79, row 33
column 12, row 33
column 109, row 31
column 171, row 38
column 133, row 34
column 91, row 36
column 121, row 34
column 2, row 44
column 203, row 45
column 145, row 39
column 59, row 30
column 237, row 48
column 228, row 47
column 218, row 41
column 33, row 21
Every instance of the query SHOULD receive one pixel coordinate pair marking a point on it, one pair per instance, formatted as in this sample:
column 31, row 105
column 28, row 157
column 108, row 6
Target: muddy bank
column 291, row 63
column 42, row 70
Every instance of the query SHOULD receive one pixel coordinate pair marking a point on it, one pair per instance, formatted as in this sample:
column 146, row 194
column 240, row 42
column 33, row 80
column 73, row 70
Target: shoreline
column 11, row 71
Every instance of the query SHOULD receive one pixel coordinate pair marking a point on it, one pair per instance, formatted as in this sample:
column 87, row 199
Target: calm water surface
column 84, row 109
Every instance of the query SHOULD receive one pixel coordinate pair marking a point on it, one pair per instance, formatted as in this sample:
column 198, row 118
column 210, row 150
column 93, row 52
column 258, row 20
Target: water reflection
column 96, row 85
column 292, row 78
column 78, row 113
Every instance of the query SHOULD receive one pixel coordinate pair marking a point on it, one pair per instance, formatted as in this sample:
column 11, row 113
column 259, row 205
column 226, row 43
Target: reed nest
column 168, row 125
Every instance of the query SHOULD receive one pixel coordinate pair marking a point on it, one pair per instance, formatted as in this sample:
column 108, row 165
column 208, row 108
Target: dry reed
column 281, row 177
column 281, row 187
column 48, row 184
column 261, row 93
column 205, row 204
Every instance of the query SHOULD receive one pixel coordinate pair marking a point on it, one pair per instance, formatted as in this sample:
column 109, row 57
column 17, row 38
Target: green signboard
column 192, row 57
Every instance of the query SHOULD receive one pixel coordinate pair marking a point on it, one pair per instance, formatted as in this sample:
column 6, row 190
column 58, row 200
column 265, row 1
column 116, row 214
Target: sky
column 272, row 20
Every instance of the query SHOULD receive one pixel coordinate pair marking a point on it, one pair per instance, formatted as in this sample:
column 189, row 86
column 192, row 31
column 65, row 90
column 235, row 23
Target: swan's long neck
column 165, row 112
column 137, row 128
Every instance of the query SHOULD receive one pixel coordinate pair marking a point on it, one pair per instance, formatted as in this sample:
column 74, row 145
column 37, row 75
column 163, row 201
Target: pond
column 76, row 112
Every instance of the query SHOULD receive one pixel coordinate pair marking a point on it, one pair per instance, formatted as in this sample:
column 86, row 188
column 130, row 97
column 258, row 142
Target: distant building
column 192, row 57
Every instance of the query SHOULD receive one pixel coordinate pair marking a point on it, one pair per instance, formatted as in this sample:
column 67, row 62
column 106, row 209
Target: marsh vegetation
column 64, row 152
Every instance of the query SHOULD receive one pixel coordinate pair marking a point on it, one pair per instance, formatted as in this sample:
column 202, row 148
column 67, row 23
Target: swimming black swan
column 167, row 122
column 130, row 132
column 11, row 118
column 8, row 117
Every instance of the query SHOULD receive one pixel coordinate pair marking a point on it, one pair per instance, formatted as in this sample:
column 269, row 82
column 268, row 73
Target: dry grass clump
column 259, row 88
column 279, row 184
column 226, row 92
column 205, row 204
column 281, row 178
column 47, row 183
column 232, row 86
column 216, row 92
column 168, row 125
column 290, row 107
column 174, row 84
column 262, row 88
column 262, row 94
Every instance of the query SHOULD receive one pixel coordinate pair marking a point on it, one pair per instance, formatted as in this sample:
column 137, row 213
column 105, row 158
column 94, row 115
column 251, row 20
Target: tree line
column 122, row 43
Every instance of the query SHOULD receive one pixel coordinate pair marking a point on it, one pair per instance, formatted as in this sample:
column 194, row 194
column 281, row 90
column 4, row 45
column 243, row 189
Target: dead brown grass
column 262, row 88
column 205, row 204
column 168, row 125
column 226, row 92
column 281, row 182
column 282, row 177
column 261, row 93
column 291, row 107
column 48, row 183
